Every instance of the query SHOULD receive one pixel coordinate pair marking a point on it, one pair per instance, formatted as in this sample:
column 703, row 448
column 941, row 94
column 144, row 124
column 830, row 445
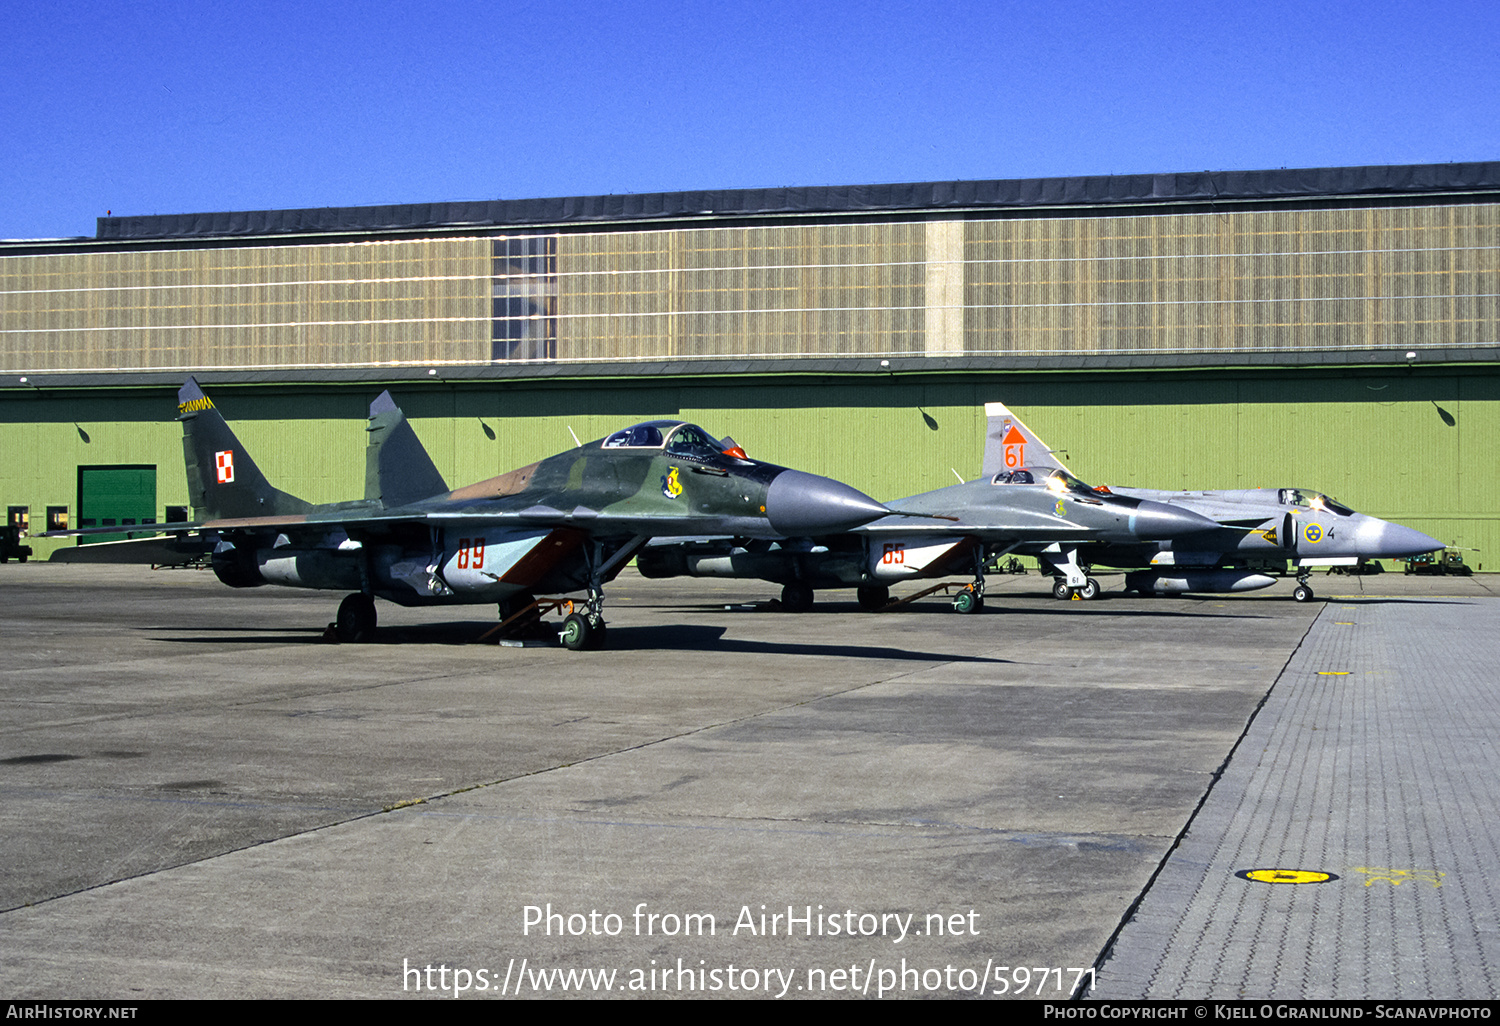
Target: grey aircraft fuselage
column 959, row 526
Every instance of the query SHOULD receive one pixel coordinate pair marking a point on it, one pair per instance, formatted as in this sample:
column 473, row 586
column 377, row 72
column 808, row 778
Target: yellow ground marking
column 1285, row 876
column 1396, row 877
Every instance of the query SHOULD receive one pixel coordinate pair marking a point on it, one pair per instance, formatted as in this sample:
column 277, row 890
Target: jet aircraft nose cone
column 799, row 504
column 1160, row 521
column 1381, row 539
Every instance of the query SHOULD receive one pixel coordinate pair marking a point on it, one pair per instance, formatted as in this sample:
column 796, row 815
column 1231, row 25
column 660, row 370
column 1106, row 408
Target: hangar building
column 1329, row 328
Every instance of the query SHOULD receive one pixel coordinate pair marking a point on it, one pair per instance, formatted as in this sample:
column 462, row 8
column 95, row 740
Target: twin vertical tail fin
column 223, row 481
column 398, row 470
column 1010, row 444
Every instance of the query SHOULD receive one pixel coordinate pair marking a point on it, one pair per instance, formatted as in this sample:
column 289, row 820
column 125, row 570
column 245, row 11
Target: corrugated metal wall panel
column 283, row 306
column 772, row 291
column 1241, row 280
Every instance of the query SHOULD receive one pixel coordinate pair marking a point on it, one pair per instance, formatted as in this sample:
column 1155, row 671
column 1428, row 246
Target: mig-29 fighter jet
column 1019, row 507
column 568, row 523
column 1254, row 525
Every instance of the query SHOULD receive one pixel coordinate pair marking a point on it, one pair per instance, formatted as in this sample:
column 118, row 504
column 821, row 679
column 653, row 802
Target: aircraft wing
column 374, row 523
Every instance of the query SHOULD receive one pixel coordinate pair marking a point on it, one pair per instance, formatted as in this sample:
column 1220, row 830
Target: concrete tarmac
column 204, row 799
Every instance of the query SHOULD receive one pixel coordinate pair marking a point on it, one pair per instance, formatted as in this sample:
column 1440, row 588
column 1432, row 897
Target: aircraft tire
column 1090, row 590
column 1302, row 593
column 967, row 602
column 576, row 634
column 796, row 597
column 356, row 620
column 1061, row 591
column 873, row 597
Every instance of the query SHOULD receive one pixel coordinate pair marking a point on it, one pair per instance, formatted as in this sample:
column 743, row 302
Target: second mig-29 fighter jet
column 1253, row 526
column 566, row 524
column 1019, row 507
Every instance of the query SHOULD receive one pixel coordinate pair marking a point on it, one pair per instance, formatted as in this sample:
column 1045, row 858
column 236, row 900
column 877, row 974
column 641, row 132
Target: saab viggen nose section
column 800, row 504
column 1380, row 539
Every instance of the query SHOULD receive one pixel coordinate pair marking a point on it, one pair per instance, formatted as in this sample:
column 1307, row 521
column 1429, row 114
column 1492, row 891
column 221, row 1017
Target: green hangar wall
column 1331, row 329
column 1416, row 446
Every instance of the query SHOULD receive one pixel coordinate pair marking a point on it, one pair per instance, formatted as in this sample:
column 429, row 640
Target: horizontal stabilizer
column 159, row 551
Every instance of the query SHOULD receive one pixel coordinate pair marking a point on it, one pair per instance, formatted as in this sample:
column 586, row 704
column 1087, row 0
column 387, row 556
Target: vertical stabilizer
column 223, row 481
column 1010, row 444
column 398, row 470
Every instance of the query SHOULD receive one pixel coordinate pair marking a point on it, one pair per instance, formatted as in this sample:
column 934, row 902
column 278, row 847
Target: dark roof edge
column 738, row 370
column 1097, row 190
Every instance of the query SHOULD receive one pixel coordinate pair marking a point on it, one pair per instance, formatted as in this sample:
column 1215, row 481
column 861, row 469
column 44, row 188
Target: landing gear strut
column 585, row 629
column 971, row 599
column 356, row 619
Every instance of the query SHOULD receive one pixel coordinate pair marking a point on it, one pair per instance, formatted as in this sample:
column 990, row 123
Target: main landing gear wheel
column 1302, row 593
column 578, row 633
column 873, row 597
column 796, row 597
column 968, row 601
column 356, row 619
column 1061, row 591
column 1090, row 590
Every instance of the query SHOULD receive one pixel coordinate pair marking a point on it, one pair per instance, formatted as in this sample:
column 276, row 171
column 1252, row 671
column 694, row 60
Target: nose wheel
column 970, row 600
column 582, row 631
column 1089, row 590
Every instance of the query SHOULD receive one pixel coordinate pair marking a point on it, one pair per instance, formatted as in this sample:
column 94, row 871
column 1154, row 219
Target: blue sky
column 166, row 107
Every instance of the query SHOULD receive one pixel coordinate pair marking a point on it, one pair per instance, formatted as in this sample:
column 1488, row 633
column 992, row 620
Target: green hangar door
column 121, row 496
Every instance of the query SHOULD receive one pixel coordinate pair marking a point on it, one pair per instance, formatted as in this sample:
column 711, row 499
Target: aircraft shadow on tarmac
column 711, row 639
column 673, row 637
column 1051, row 607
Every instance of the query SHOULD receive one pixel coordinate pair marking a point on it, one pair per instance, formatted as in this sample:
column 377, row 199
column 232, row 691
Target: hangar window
column 524, row 317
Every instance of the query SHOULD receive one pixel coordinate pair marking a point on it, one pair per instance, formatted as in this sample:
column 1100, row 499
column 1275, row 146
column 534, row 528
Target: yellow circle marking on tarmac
column 1285, row 876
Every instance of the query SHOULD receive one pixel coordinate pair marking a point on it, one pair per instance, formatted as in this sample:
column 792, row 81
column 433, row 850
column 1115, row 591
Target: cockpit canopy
column 1314, row 500
column 678, row 439
column 1055, row 480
